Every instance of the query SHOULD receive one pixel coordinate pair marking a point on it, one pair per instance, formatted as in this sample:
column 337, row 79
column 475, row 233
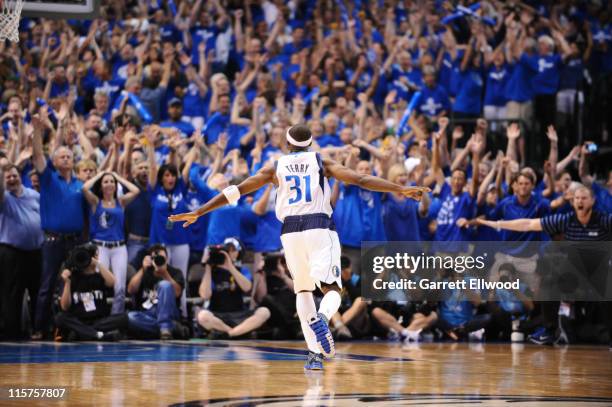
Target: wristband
column 232, row 193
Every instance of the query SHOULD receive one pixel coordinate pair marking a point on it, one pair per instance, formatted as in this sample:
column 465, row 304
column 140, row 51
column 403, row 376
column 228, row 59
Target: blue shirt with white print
column 547, row 69
column 497, row 79
column 163, row 204
column 453, row 208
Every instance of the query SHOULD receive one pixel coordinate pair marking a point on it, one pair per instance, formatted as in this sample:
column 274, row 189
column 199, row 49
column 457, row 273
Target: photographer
column 508, row 306
column 225, row 285
column 157, row 287
column 273, row 288
column 85, row 313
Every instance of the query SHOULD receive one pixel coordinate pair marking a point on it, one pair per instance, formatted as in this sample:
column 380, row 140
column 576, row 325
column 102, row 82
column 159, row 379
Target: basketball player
column 308, row 235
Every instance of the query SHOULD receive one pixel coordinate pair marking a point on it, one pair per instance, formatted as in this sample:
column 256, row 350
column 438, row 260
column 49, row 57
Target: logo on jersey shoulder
column 336, row 271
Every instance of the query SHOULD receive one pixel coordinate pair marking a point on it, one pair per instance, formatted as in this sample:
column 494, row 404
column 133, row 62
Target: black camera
column 80, row 257
column 215, row 257
column 158, row 260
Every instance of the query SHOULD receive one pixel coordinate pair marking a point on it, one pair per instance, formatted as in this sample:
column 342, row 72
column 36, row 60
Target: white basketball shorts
column 313, row 257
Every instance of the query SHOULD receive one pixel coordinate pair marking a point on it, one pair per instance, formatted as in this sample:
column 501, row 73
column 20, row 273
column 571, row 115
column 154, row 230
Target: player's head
column 299, row 137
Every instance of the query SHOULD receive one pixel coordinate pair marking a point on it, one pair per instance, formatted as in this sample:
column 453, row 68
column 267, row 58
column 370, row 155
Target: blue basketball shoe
column 319, row 325
column 314, row 361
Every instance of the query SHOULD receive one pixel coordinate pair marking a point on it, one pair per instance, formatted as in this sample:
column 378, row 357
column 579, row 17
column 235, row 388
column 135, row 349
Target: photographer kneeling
column 224, row 285
column 157, row 287
column 85, row 312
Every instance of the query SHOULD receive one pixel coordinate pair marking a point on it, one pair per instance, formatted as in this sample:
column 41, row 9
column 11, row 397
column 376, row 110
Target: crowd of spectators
column 109, row 126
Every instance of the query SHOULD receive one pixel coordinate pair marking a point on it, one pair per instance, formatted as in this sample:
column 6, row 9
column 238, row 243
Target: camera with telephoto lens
column 80, row 257
column 215, row 257
column 158, row 260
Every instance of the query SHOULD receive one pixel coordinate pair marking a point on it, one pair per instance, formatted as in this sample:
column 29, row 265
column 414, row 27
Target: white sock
column 330, row 304
column 100, row 334
column 306, row 309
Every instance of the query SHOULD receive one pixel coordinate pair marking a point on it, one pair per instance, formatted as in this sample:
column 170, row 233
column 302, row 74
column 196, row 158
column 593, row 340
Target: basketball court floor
column 249, row 373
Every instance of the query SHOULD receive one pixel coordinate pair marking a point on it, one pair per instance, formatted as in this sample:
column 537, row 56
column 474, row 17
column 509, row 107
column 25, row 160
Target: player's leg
column 303, row 285
column 324, row 255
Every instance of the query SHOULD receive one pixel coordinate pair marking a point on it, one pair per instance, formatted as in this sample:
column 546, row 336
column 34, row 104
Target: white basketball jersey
column 302, row 187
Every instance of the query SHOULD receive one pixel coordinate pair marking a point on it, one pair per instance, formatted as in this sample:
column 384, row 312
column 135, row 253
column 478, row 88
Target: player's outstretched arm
column 517, row 225
column 348, row 176
column 253, row 183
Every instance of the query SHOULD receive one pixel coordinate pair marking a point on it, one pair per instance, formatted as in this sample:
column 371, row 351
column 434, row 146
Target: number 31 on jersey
column 298, row 187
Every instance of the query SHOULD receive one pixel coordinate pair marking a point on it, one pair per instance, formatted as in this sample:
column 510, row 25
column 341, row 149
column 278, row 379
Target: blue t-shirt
column 497, row 79
column 194, row 104
column 508, row 209
column 106, row 224
column 62, row 205
column 603, row 198
column 268, row 234
column 170, row 33
column 20, row 220
column 200, row 34
column 445, row 76
column 509, row 302
column 234, row 133
column 216, row 124
column 164, row 204
column 185, row 128
column 329, row 140
column 363, row 81
column 93, row 84
column 412, row 77
column 401, row 219
column 268, row 228
column 120, row 67
column 138, row 214
column 572, row 73
column 432, row 101
column 358, row 216
column 225, row 222
column 485, row 233
column 197, row 196
column 469, row 92
column 454, row 311
column 453, row 208
column 59, row 89
column 519, row 88
column 547, row 68
column 161, row 154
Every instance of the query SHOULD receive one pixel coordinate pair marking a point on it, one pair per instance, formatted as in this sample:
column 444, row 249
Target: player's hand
column 188, row 218
column 66, row 275
column 415, row 193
